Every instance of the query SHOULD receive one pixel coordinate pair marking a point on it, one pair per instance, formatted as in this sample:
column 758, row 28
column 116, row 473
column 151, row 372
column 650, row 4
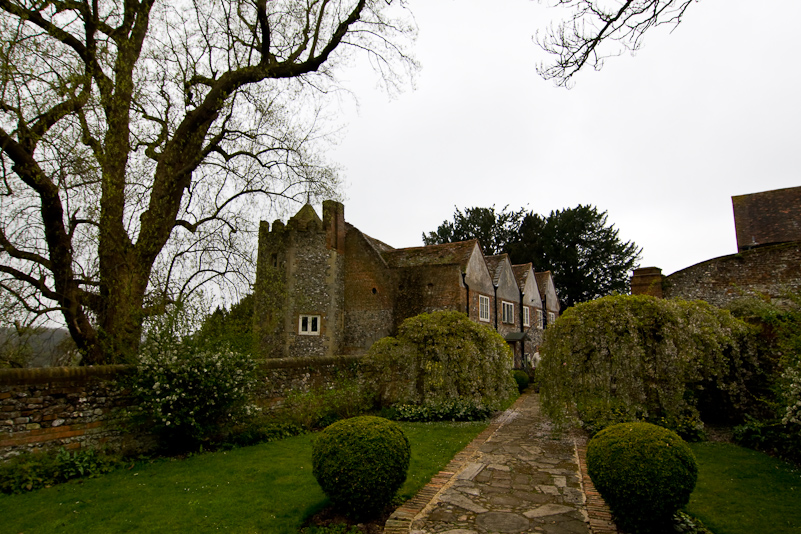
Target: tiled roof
column 768, row 217
column 445, row 254
column 380, row 246
column 494, row 264
column 542, row 281
column 521, row 273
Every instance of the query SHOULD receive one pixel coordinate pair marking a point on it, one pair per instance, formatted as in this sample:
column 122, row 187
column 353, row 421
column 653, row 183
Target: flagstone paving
column 519, row 476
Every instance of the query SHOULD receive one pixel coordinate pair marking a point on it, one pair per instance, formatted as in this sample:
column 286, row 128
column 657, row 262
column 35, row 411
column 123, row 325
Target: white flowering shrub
column 188, row 394
column 629, row 358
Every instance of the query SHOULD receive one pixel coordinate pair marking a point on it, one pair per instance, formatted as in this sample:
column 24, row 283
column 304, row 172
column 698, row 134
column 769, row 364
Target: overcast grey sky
column 661, row 140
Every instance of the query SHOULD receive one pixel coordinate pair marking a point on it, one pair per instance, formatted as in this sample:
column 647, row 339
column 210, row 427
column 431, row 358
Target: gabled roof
column 377, row 246
column 543, row 279
column 494, row 264
column 445, row 254
column 521, row 274
column 380, row 246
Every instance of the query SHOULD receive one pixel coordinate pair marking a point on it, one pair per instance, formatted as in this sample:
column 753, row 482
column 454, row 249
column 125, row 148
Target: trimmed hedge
column 645, row 473
column 360, row 463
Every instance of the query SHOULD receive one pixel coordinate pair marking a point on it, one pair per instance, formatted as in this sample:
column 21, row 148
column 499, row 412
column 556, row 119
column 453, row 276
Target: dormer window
column 309, row 325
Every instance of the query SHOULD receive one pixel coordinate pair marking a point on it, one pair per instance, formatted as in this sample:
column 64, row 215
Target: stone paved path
column 517, row 476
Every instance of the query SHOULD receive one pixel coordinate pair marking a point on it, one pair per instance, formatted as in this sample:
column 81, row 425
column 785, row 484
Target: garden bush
column 30, row 471
column 360, row 463
column 521, row 377
column 451, row 410
column 187, row 394
column 441, row 357
column 629, row 358
column 645, row 473
column 320, row 406
column 777, row 428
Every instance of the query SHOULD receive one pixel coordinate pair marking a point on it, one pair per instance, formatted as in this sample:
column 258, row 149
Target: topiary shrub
column 521, row 377
column 361, row 463
column 645, row 473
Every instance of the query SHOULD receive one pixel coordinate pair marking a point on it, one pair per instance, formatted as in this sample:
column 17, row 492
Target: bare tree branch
column 594, row 32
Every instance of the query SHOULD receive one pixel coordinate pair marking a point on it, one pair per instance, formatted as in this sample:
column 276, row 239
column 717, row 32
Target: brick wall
column 766, row 270
column 369, row 295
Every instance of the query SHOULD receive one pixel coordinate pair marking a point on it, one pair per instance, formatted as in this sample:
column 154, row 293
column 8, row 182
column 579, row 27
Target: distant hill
column 36, row 347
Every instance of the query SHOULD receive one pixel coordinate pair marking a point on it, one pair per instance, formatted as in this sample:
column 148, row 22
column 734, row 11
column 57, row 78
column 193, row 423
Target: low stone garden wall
column 79, row 407
column 70, row 407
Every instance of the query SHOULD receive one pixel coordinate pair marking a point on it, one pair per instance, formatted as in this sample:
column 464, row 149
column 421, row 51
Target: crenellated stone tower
column 299, row 294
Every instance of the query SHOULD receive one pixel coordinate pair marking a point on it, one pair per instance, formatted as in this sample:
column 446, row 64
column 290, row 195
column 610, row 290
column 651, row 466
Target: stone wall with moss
column 70, row 407
column 80, row 407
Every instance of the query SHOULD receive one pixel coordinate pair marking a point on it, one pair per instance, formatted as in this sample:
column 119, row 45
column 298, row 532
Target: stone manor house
column 324, row 288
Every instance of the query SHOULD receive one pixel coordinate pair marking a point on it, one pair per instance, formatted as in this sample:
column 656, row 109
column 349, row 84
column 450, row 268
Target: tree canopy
column 494, row 230
column 582, row 250
column 585, row 253
column 137, row 138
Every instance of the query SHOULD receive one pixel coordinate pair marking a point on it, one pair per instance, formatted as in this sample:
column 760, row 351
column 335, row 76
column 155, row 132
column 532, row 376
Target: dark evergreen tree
column 585, row 253
column 232, row 328
column 493, row 230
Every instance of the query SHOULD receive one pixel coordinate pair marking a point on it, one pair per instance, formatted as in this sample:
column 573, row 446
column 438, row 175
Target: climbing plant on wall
column 439, row 357
column 625, row 358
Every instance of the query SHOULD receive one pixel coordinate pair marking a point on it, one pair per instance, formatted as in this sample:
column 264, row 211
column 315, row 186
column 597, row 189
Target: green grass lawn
column 266, row 488
column 741, row 491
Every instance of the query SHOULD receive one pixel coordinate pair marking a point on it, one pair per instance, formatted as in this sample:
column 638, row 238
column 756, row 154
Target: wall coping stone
column 742, row 255
column 41, row 375
column 315, row 361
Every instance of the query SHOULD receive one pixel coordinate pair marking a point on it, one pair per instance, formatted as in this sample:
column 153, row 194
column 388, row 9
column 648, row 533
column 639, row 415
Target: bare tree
column 137, row 137
column 597, row 29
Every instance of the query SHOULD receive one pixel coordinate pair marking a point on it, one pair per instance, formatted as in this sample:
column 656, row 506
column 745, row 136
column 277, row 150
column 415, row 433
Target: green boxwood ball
column 644, row 472
column 521, row 377
column 361, row 463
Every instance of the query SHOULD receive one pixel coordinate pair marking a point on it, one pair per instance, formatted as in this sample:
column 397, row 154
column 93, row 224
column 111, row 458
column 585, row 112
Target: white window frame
column 551, row 318
column 539, row 318
column 526, row 316
column 508, row 316
column 483, row 308
column 312, row 321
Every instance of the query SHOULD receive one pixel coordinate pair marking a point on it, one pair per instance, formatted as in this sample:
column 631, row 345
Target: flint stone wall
column 766, row 272
column 80, row 407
